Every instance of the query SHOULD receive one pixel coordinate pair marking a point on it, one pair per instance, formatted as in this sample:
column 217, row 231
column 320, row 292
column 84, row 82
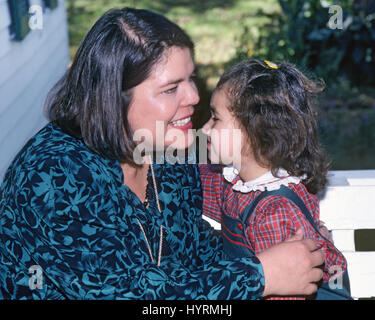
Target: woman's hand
column 292, row 267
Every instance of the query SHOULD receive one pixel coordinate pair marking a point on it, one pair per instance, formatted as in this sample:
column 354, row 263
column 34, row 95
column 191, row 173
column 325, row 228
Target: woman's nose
column 191, row 95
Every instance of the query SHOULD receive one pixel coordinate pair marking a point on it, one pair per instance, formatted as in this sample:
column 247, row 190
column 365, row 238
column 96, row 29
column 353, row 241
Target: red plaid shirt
column 275, row 219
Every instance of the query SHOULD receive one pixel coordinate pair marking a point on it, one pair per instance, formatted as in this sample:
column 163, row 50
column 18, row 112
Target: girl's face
column 224, row 134
column 162, row 105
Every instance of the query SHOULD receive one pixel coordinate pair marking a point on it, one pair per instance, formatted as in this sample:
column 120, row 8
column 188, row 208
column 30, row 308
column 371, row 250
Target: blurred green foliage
column 331, row 44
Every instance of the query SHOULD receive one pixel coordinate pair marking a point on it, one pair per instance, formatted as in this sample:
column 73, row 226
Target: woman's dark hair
column 91, row 100
column 274, row 105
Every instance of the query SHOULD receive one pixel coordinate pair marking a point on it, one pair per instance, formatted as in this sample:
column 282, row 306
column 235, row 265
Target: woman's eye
column 171, row 90
column 214, row 118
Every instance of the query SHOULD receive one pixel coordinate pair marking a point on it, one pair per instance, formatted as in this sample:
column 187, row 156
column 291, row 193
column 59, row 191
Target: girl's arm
column 212, row 191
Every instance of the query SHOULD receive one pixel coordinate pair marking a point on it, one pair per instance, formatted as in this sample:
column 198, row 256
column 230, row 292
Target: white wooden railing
column 345, row 207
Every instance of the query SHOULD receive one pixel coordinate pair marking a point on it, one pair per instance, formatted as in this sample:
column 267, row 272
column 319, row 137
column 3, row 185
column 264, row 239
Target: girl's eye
column 171, row 90
column 214, row 118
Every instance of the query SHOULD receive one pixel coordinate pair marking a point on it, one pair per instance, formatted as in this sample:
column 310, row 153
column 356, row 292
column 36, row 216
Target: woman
column 82, row 219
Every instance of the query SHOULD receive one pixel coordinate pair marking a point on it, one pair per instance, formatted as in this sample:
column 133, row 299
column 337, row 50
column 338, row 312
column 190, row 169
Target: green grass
column 214, row 25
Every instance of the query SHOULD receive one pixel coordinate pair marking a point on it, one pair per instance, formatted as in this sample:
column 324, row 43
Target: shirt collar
column 266, row 181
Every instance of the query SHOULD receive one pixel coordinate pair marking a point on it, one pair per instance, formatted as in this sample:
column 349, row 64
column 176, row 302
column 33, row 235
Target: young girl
column 272, row 106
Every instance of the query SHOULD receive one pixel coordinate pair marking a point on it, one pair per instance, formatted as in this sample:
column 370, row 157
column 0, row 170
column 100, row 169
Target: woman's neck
column 132, row 172
column 135, row 177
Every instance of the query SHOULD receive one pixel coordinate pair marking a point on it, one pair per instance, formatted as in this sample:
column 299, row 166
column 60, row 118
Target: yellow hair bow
column 271, row 64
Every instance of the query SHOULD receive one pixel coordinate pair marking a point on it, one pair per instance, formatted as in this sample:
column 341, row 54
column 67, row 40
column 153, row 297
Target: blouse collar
column 266, row 181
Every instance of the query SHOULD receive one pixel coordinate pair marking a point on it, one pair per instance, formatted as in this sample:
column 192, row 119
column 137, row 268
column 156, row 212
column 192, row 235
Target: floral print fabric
column 66, row 210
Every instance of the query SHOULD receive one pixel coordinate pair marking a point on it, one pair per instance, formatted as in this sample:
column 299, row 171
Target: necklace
column 146, row 205
column 146, row 201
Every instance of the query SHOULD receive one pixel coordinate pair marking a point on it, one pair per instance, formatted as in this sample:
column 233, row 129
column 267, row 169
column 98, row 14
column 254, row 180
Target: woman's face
column 162, row 105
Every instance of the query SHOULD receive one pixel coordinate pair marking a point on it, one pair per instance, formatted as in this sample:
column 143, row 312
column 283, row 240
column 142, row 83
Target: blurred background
column 225, row 31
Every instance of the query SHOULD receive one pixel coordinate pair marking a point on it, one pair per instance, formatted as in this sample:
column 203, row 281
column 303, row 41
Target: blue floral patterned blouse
column 70, row 229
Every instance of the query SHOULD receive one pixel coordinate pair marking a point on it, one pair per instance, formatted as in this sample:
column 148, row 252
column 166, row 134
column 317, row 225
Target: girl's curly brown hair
column 274, row 105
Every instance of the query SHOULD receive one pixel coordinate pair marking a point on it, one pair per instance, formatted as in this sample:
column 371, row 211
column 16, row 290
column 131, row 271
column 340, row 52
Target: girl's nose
column 206, row 129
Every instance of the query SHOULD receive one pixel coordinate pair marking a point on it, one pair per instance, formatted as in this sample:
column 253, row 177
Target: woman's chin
column 179, row 139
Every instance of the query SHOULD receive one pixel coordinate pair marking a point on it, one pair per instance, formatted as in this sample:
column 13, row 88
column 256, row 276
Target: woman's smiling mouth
column 182, row 124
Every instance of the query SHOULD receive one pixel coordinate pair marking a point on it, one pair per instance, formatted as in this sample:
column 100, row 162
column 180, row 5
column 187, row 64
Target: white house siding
column 28, row 69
